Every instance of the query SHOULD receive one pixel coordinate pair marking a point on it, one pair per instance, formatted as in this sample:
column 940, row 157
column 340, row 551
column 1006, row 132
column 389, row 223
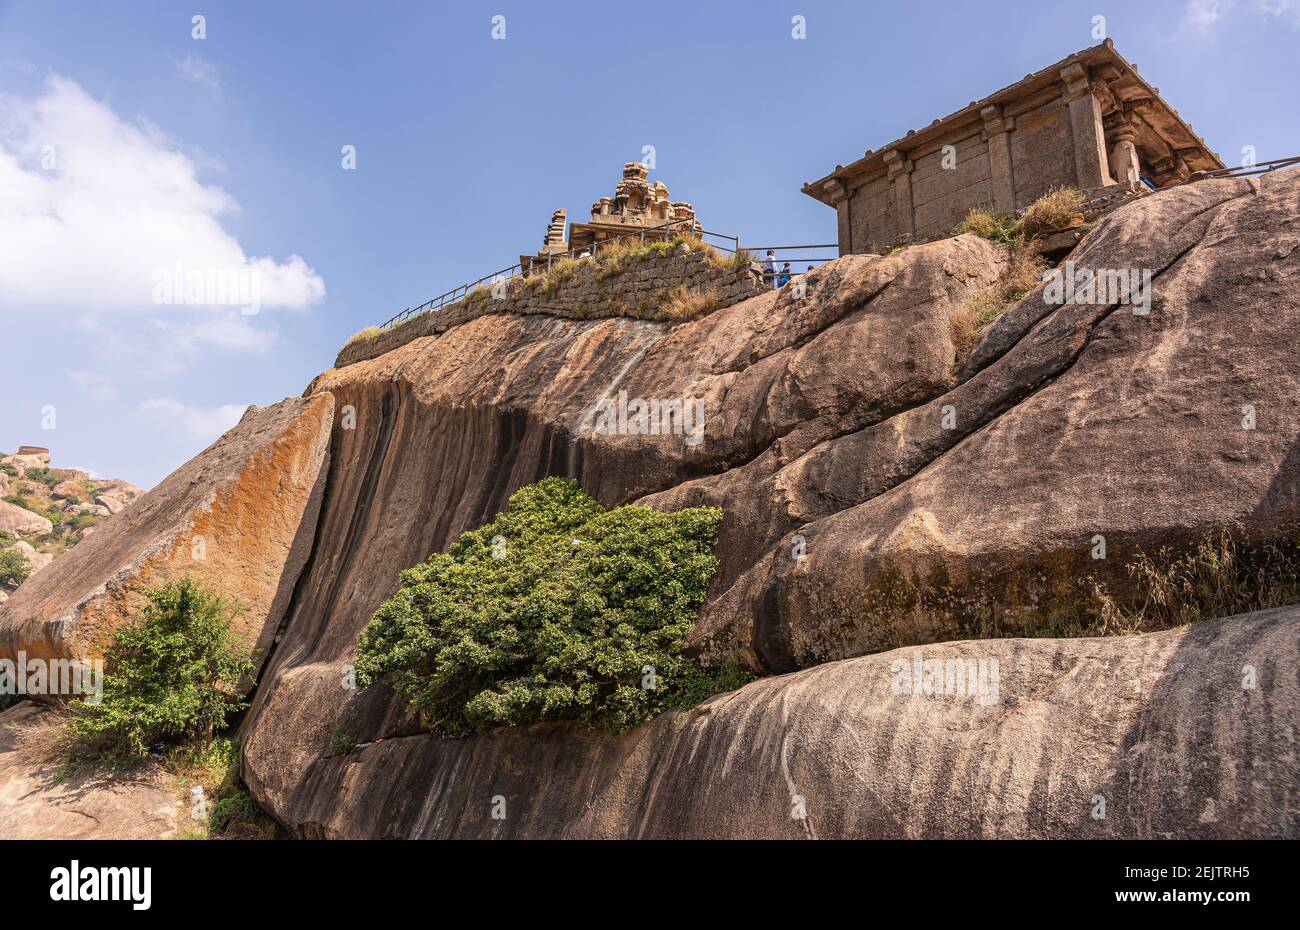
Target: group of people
column 774, row 278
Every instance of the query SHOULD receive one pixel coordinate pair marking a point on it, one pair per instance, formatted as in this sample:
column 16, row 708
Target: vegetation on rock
column 14, row 566
column 174, row 672
column 557, row 610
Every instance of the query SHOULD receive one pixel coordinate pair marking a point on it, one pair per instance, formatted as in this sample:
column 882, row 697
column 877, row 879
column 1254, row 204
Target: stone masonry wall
column 642, row 287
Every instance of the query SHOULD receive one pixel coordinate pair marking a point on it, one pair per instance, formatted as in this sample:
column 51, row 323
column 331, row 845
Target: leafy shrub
column 557, row 610
column 342, row 742
column 172, row 672
column 9, row 469
column 14, row 568
column 41, row 475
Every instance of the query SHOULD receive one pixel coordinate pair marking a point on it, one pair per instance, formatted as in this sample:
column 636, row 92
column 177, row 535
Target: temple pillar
column 1091, row 164
column 999, row 145
column 900, row 181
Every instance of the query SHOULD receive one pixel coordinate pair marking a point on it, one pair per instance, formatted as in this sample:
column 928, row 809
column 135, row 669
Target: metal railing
column 800, row 263
column 1244, row 171
column 661, row 232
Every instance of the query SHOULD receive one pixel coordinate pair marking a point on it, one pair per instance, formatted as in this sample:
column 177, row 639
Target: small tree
column 172, row 673
column 14, row 568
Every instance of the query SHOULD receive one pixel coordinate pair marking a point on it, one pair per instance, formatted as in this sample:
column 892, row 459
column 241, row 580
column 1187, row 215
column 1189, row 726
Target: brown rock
column 1072, row 421
column 110, row 503
column 1159, row 726
column 67, row 490
column 239, row 518
column 19, row 521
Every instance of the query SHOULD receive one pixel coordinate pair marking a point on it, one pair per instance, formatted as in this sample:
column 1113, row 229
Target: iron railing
column 1243, row 171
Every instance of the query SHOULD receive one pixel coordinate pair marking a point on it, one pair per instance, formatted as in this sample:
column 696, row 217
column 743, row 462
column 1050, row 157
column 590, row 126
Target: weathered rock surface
column 1071, row 421
column 21, row 522
column 1159, row 726
column 35, row 803
column 847, row 417
column 238, row 517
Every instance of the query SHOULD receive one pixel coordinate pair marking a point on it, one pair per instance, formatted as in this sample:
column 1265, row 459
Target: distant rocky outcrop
column 46, row 511
column 888, row 483
column 233, row 518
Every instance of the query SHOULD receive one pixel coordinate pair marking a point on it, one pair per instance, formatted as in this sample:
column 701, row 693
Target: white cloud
column 93, row 209
column 197, row 71
column 98, row 386
column 230, row 331
column 1281, row 9
column 1203, row 15
column 202, row 424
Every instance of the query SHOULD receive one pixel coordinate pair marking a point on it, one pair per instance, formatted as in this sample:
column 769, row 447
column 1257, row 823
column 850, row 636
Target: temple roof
column 1129, row 87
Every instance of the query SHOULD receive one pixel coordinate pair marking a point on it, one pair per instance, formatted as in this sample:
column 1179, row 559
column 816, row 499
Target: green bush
column 342, row 742
column 14, row 568
column 41, row 476
column 9, row 469
column 173, row 672
column 558, row 610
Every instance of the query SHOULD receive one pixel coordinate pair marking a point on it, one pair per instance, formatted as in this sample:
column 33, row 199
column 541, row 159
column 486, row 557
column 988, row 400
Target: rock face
column 1159, row 726
column 21, row 522
column 238, row 517
column 1068, row 422
column 34, row 804
column 862, row 456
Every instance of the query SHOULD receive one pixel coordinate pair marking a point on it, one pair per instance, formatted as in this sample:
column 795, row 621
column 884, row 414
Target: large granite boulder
column 1187, row 733
column 239, row 517
column 21, row 522
column 1071, row 421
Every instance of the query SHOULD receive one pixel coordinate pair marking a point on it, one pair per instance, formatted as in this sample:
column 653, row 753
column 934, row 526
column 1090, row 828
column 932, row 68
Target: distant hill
column 46, row 511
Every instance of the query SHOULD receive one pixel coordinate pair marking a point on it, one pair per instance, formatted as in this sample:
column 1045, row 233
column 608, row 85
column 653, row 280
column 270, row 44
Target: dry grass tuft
column 683, row 305
column 1022, row 274
column 1056, row 210
column 1225, row 574
column 989, row 224
column 365, row 335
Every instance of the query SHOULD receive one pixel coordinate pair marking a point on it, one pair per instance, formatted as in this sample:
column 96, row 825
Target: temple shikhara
column 637, row 205
column 1088, row 122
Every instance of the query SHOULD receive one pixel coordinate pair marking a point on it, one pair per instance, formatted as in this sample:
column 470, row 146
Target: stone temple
column 637, row 204
column 1089, row 122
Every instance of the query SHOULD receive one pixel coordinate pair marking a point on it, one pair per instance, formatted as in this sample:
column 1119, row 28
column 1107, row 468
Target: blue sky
column 127, row 145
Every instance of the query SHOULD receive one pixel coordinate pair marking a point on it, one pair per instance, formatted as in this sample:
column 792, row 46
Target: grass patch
column 369, row 334
column 1056, row 210
column 1023, row 272
column 683, row 304
column 987, row 223
column 1225, row 574
column 232, row 811
column 1067, row 594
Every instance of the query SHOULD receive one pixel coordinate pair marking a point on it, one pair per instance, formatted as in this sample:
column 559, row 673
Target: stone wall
column 642, row 287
